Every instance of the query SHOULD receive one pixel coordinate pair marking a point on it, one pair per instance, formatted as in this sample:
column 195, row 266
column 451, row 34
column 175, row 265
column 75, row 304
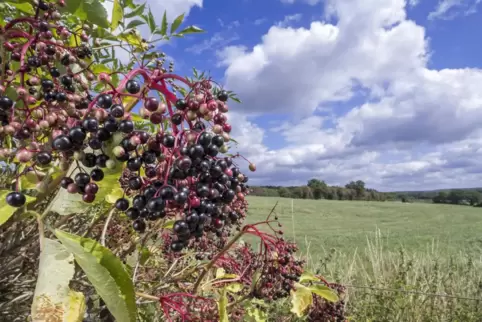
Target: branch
column 106, row 225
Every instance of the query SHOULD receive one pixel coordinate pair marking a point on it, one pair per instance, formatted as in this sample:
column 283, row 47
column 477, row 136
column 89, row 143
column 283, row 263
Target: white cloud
column 415, row 128
column 449, row 9
column 289, row 19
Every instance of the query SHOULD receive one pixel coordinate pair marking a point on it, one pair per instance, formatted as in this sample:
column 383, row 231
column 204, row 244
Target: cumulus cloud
column 414, row 128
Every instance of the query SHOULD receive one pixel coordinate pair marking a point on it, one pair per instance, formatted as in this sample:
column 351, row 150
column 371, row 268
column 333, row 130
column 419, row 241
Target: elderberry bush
column 51, row 115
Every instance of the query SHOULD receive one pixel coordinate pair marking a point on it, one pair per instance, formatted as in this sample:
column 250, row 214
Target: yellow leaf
column 301, row 299
column 115, row 194
column 307, row 276
column 222, row 307
column 169, row 224
column 234, row 287
column 325, row 292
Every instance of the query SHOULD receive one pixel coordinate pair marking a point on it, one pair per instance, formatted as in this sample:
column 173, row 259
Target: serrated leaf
column 106, row 273
column 136, row 12
column 325, row 292
column 134, row 23
column 301, row 299
column 191, row 30
column 307, row 277
column 96, row 13
column 222, row 307
column 163, row 29
column 117, row 14
column 176, row 23
column 7, row 211
column 53, row 299
column 151, row 22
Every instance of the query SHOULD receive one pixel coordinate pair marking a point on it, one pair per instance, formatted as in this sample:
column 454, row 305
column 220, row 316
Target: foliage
column 149, row 205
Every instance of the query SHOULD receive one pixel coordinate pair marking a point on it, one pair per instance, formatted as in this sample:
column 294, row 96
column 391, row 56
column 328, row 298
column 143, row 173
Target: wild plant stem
column 106, row 225
column 213, row 261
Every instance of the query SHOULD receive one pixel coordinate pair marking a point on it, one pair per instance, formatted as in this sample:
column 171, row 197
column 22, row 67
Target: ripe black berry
column 89, row 160
column 117, row 111
column 16, row 199
column 133, row 87
column 97, row 175
column 135, row 183
column 44, row 158
column 90, row 124
column 126, row 126
column 168, row 141
column 62, row 143
column 66, row 80
column 64, row 183
column 218, row 140
column 134, row 164
column 181, row 104
column 177, row 246
column 139, row 202
column 223, row 96
column 104, row 101
column 82, row 179
column 122, row 204
column 5, row 103
column 133, row 213
column 156, row 204
column 139, row 225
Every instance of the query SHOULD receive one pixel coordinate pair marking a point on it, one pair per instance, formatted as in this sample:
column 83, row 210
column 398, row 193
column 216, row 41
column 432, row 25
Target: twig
column 213, row 261
column 106, row 225
column 147, row 296
column 41, row 233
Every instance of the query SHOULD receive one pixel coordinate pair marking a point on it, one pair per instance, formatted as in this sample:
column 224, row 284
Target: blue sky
column 379, row 90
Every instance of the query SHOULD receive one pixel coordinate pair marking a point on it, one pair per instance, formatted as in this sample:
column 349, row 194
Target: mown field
column 345, row 225
column 399, row 262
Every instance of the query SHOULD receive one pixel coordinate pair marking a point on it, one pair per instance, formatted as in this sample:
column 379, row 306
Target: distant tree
column 440, row 198
column 318, row 188
column 358, row 186
column 284, row 192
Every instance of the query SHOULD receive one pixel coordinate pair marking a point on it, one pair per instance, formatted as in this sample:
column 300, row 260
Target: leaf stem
column 147, row 296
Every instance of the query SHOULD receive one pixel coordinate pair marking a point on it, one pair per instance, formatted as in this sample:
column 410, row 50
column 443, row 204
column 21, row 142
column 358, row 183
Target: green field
column 345, row 225
column 412, row 262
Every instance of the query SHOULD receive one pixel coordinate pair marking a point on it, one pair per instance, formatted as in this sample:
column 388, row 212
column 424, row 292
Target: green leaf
column 222, row 307
column 52, row 292
column 134, row 23
column 117, row 14
column 99, row 68
column 168, row 224
column 115, row 194
column 191, row 30
column 144, row 255
column 307, row 277
column 136, row 12
column 7, row 211
column 325, row 292
column 71, row 6
column 96, row 13
column 151, row 22
column 22, row 6
column 301, row 299
column 163, row 29
column 106, row 273
column 133, row 38
column 176, row 23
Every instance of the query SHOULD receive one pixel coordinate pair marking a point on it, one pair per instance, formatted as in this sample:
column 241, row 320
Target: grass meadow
column 399, row 261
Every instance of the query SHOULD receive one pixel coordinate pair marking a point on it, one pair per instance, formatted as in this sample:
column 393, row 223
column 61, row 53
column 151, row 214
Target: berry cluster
column 49, row 117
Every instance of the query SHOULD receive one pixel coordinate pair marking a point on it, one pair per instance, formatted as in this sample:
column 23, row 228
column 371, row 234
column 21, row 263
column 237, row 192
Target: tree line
column 357, row 190
column 319, row 189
